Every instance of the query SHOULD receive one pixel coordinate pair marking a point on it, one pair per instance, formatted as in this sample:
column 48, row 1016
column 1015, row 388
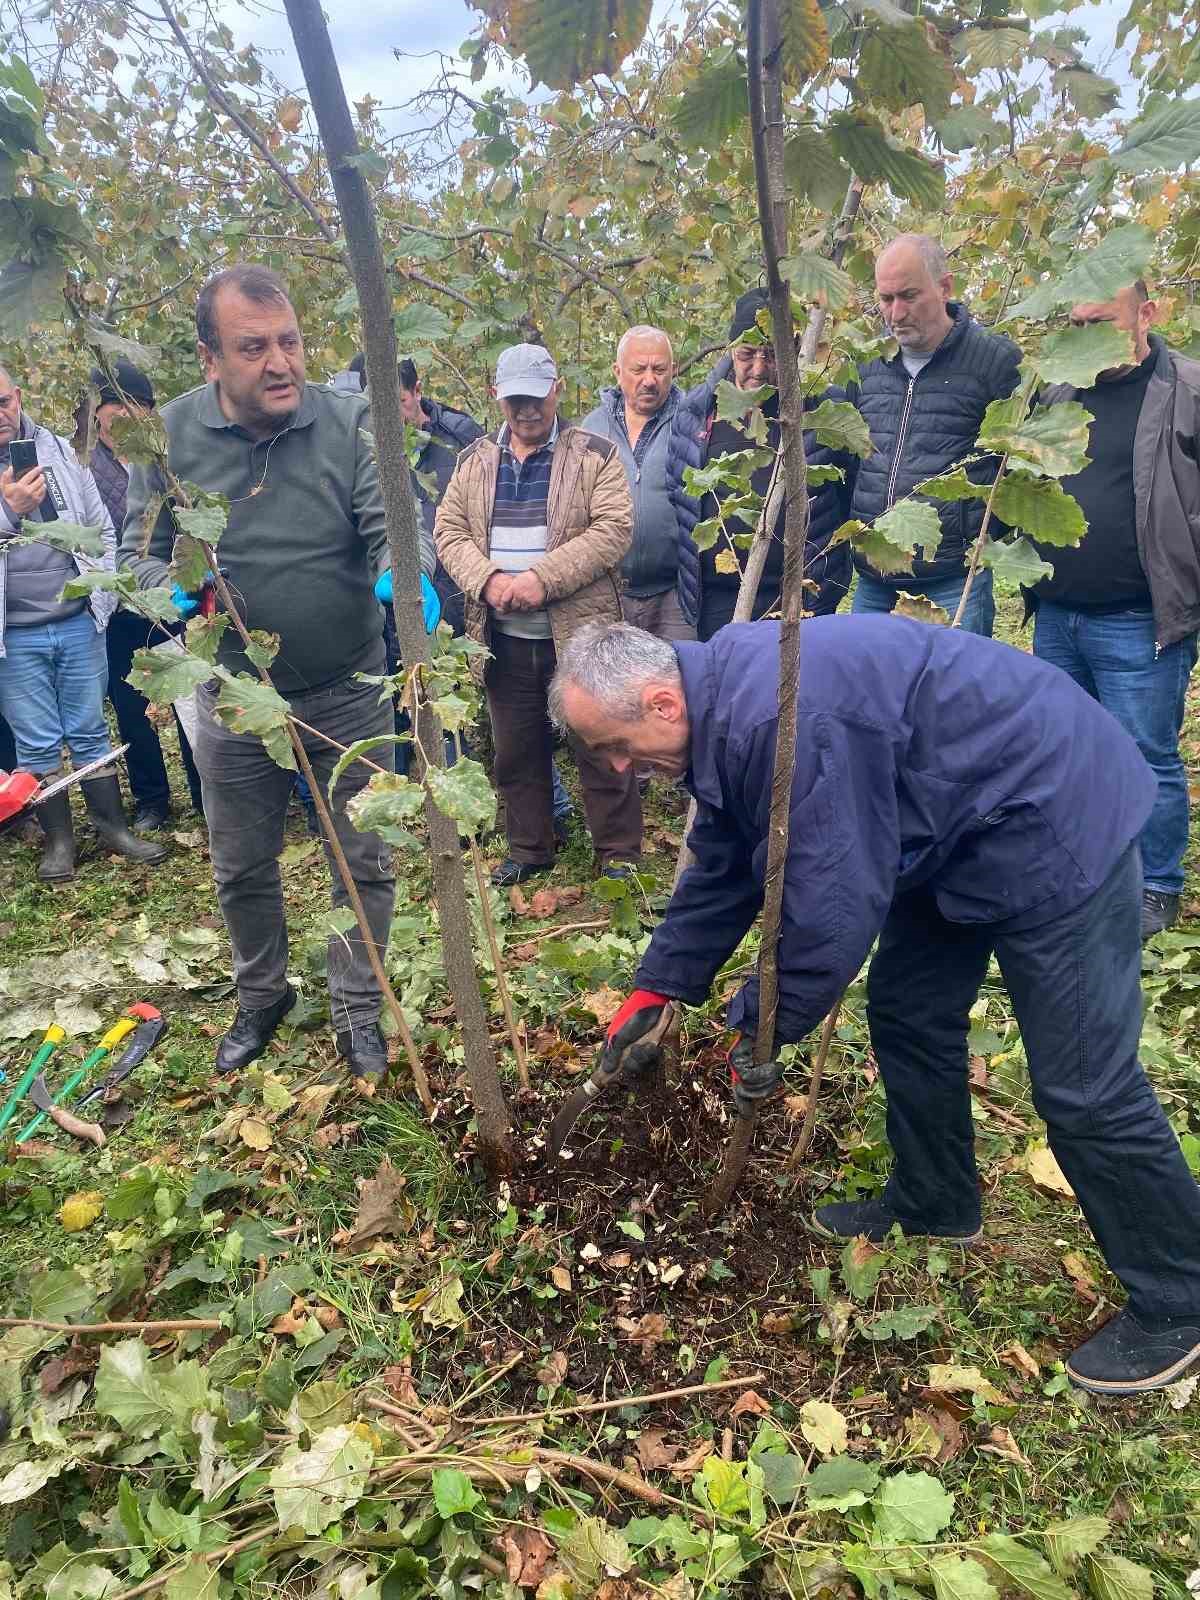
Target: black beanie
column 745, row 312
column 134, row 385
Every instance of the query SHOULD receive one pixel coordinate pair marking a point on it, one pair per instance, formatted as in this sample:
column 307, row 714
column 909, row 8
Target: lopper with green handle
column 123, row 1026
column 51, row 1039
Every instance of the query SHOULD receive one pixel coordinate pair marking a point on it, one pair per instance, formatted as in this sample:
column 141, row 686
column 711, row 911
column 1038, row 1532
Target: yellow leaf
column 255, row 1133
column 561, row 1279
column 603, row 1003
column 946, row 1377
column 289, row 114
column 805, row 39
column 79, row 1211
column 726, row 561
column 824, row 1427
column 1046, row 1172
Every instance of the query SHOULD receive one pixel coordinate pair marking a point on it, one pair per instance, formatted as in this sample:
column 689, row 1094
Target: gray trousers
column 245, row 802
column 658, row 614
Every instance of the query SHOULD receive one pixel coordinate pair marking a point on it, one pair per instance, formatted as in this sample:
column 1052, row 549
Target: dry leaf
column 544, row 903
column 603, row 1003
column 618, row 1261
column 778, row 1322
column 646, row 1331
column 935, row 1433
column 553, row 1370
column 1001, row 1443
column 571, row 895
column 725, row 561
column 291, row 1322
column 1046, row 1172
column 255, row 1133
column 312, row 1102
column 289, row 113
column 653, row 1452
column 397, row 1380
column 526, row 1552
column 1076, row 1268
column 694, row 1460
column 749, row 1403
column 1016, row 1356
column 561, row 1279
column 382, row 1208
column 334, row 1133
column 525, row 952
column 949, row 1378
column 517, row 900
column 65, row 1367
column 329, row 1317
column 979, row 1073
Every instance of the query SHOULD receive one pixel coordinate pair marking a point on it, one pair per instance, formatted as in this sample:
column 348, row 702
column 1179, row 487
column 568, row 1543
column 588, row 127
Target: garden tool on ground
column 622, row 1057
column 47, row 1103
column 51, row 1039
column 144, row 1038
column 22, row 792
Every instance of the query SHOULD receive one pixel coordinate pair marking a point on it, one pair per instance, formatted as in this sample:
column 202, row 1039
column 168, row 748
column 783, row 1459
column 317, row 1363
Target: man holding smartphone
column 53, row 669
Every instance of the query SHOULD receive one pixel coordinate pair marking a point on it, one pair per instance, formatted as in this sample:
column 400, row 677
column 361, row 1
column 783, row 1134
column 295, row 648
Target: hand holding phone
column 23, row 496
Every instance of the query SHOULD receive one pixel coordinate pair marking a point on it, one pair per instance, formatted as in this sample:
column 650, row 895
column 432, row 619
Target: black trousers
column 127, row 632
column 1075, row 984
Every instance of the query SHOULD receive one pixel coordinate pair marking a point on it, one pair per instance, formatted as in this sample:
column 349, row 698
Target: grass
column 567, row 1266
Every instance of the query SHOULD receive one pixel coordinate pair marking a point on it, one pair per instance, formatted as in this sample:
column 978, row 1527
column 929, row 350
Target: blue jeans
column 1116, row 659
column 870, row 594
column 1075, row 984
column 52, row 684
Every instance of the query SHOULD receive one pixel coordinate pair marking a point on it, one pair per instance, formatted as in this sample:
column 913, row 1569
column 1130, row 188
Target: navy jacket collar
column 958, row 331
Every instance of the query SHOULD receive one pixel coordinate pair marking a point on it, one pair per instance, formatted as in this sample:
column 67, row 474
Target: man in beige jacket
column 532, row 528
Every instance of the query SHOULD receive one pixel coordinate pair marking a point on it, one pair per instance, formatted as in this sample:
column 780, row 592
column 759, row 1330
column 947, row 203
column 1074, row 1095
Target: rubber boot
column 58, row 856
column 103, row 796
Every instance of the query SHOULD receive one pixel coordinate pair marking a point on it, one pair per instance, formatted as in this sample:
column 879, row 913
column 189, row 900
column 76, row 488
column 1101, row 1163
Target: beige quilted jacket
column 590, row 521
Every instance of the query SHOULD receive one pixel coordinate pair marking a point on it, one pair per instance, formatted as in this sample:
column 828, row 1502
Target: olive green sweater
column 305, row 538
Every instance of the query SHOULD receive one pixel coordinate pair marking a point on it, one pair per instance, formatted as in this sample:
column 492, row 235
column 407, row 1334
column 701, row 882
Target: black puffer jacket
column 921, row 426
column 449, row 432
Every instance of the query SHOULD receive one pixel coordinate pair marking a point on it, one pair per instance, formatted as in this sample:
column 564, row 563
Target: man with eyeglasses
column 1121, row 610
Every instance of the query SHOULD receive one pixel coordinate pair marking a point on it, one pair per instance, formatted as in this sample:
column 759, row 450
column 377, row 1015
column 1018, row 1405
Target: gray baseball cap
column 525, row 369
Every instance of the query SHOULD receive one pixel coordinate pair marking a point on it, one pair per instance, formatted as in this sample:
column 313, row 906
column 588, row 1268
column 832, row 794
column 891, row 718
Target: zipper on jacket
column 891, row 488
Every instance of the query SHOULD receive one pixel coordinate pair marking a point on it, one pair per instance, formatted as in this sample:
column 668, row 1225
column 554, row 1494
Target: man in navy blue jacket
column 952, row 797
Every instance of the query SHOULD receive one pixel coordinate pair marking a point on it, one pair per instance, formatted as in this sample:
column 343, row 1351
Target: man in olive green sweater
column 304, row 543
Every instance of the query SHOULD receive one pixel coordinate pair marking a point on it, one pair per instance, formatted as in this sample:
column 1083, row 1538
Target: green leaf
column 1164, row 140
column 992, row 49
column 179, row 1529
column 722, row 1486
column 1115, row 1578
column 384, row 805
column 166, row 675
column 1052, row 441
column 464, row 794
column 454, row 1493
column 899, row 68
column 839, row 425
column 908, row 526
column 565, row 41
column 952, row 486
column 965, row 126
column 263, row 647
column 246, row 705
column 144, row 1397
column 1119, row 259
column 453, row 712
column 69, row 537
column 76, row 1577
column 31, row 293
column 815, row 277
column 840, row 1484
column 783, row 1476
column 312, row 1488
column 1024, row 1569
column 715, row 105
column 205, row 521
column 1016, row 561
column 1040, row 507
column 813, row 171
column 861, row 1267
column 805, row 40
column 733, row 404
column 198, row 1580
column 203, row 635
column 593, row 1548
column 420, row 325
column 1076, row 355
column 876, row 549
column 28, row 1477
column 1068, row 1542
column 188, row 565
column 912, row 1507
column 362, row 747
column 861, row 141
column 59, row 1296
column 1091, row 93
column 960, row 1578
column 904, row 1321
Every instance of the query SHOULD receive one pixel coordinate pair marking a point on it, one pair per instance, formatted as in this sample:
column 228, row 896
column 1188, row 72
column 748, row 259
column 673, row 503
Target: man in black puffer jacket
column 707, row 594
column 924, row 408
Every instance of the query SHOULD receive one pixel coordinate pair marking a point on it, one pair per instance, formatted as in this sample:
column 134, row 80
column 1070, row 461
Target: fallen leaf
column 329, row 1317
column 653, row 1452
column 517, row 900
column 289, row 1323
column 776, row 1322
column 590, row 1252
column 561, row 1279
column 311, row 1103
column 526, row 1552
column 646, row 1331
column 603, row 1003
column 1016, row 1356
column 570, row 895
column 1000, row 1442
column 949, row 1378
column 79, row 1211
column 1046, row 1172
column 935, row 1434
column 397, row 1380
column 382, row 1208
column 1076, row 1268
column 749, row 1403
column 525, row 952
column 553, row 1370
column 335, row 1133
column 978, row 1073
column 824, row 1427
column 618, row 1261
column 63, row 1368
column 694, row 1460
column 1180, row 1394
column 544, row 903
column 254, row 1132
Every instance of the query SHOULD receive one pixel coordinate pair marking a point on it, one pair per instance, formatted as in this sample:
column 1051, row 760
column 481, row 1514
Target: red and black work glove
column 751, row 1084
column 627, row 1049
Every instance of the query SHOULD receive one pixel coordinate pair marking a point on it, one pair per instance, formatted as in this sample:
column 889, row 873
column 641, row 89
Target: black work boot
column 1130, row 1355
column 873, row 1220
column 1160, row 910
column 58, row 854
column 252, row 1032
column 103, row 796
column 364, row 1047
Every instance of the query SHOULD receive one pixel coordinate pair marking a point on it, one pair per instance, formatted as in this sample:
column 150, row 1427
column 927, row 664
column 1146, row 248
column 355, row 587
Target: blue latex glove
column 431, row 605
column 185, row 603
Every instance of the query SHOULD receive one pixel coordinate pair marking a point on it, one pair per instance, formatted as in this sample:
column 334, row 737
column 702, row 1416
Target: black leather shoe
column 252, row 1032
column 511, row 872
column 1129, row 1356
column 365, row 1049
column 148, row 819
column 1159, row 911
column 874, row 1221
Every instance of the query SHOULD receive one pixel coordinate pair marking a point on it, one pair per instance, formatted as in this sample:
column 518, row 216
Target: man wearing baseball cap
column 532, row 527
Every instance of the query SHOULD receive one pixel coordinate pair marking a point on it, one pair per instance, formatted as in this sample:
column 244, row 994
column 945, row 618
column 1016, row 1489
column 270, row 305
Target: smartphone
column 22, row 455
